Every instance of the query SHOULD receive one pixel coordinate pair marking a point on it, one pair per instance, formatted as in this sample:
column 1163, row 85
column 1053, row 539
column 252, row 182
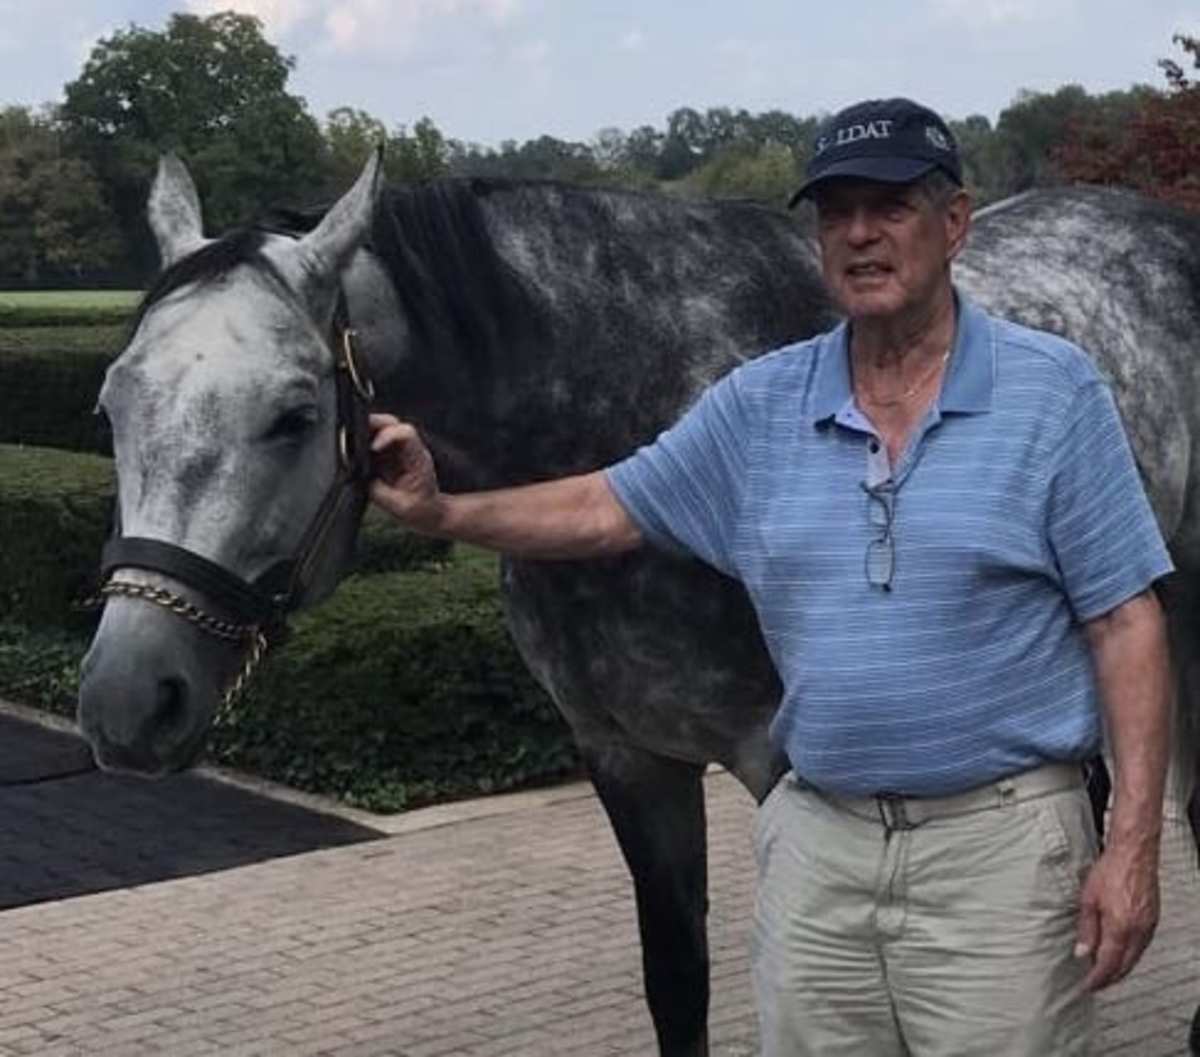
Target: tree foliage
column 215, row 90
column 54, row 223
column 212, row 89
column 421, row 153
column 1156, row 150
column 765, row 173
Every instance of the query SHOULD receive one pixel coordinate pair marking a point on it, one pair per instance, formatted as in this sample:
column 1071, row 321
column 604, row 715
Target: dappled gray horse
column 534, row 330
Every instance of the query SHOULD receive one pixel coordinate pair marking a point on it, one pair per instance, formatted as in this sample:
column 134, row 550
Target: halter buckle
column 364, row 387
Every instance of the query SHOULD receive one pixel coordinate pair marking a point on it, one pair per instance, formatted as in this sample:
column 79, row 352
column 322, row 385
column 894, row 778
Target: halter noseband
column 260, row 607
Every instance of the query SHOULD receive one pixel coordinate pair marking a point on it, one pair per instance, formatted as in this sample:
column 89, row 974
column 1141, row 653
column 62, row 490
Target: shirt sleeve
column 1102, row 529
column 684, row 490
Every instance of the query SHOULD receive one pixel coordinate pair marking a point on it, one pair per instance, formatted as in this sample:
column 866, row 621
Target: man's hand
column 1119, row 912
column 404, row 481
column 572, row 517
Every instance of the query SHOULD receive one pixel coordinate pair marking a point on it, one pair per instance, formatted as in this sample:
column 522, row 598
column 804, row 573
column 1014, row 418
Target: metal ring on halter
column 343, row 442
column 365, row 390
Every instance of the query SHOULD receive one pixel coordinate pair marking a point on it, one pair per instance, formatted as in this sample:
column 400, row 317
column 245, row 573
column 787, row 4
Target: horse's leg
column 656, row 807
column 1193, row 817
column 1181, row 597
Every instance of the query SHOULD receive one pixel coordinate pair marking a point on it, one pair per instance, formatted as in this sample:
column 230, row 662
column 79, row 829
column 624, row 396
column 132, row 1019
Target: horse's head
column 240, row 481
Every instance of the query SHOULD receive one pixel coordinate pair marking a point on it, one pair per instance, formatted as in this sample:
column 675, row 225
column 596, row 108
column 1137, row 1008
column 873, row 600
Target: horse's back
column 1119, row 276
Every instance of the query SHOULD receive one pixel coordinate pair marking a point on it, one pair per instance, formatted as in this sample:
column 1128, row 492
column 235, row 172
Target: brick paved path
column 503, row 935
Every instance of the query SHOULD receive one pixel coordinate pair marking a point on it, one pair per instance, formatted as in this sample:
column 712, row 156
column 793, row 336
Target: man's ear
column 958, row 222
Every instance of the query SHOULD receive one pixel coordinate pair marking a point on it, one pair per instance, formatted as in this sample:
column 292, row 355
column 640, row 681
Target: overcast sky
column 490, row 70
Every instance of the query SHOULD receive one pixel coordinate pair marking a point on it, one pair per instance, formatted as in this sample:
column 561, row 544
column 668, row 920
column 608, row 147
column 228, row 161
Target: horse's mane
column 211, row 261
column 455, row 289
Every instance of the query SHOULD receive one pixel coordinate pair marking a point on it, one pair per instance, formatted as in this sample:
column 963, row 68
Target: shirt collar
column 968, row 386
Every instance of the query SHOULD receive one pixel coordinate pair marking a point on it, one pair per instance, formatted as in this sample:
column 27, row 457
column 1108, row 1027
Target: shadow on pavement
column 67, row 829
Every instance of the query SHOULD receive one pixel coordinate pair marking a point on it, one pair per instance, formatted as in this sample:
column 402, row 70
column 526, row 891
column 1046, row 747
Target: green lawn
column 58, row 308
column 84, row 299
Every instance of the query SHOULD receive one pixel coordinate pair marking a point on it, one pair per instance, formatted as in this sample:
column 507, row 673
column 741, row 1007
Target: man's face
column 885, row 247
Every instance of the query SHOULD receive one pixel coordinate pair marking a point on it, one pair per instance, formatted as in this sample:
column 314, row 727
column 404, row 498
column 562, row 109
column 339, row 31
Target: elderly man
column 938, row 519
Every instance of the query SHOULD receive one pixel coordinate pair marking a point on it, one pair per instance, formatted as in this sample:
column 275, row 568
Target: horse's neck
column 643, row 303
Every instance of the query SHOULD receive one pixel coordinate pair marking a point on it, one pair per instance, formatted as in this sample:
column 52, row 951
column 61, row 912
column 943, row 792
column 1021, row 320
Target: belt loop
column 893, row 814
column 1007, row 789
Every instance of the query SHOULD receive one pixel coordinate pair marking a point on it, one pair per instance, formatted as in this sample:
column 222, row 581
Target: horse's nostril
column 171, row 705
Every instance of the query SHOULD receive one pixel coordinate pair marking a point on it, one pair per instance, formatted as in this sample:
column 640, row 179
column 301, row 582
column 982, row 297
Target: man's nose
column 861, row 228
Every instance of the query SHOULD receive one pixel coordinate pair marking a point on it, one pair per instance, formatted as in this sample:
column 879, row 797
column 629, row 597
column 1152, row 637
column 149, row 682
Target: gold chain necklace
column 913, row 389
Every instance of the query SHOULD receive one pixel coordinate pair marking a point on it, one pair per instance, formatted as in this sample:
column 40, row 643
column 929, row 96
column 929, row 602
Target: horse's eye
column 293, row 424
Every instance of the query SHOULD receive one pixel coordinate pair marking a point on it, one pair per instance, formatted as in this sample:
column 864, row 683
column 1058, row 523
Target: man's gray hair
column 937, row 187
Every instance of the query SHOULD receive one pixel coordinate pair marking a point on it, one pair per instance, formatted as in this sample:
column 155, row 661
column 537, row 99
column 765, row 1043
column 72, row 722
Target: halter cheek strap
column 262, row 605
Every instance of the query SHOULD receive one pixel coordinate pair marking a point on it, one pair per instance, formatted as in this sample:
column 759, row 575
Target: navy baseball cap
column 891, row 140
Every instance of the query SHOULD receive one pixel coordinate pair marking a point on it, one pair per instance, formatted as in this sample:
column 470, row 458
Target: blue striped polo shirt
column 1018, row 515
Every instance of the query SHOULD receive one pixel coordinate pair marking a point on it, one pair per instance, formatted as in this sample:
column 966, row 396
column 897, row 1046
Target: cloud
column 532, row 53
column 361, row 25
column 746, row 63
column 994, row 14
column 634, row 40
column 277, row 16
column 356, row 25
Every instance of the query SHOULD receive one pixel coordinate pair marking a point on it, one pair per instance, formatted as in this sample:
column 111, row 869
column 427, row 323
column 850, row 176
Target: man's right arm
column 573, row 517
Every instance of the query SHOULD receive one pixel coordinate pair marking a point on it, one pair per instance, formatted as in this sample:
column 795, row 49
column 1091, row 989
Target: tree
column 643, row 149
column 544, row 158
column 422, row 154
column 54, row 223
column 214, row 90
column 350, row 135
column 1155, row 149
column 767, row 174
column 1027, row 132
column 683, row 146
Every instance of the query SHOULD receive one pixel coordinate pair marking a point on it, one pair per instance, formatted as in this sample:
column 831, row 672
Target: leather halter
column 262, row 605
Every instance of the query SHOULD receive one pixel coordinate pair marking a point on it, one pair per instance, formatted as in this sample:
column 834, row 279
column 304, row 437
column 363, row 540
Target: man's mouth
column 868, row 270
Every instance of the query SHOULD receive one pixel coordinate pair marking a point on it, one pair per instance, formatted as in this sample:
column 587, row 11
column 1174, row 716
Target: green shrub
column 104, row 341
column 48, row 394
column 40, row 666
column 401, row 690
column 383, row 546
column 54, row 511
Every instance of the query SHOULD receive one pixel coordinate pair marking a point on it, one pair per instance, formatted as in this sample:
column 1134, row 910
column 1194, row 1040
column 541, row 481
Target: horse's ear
column 328, row 246
column 174, row 211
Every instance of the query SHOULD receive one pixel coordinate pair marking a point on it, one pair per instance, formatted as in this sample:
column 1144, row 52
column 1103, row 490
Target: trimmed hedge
column 401, row 690
column 383, row 546
column 55, row 510
column 48, row 394
column 105, row 340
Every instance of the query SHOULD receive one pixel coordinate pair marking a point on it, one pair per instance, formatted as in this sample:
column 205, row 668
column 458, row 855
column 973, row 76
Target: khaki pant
column 951, row 939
